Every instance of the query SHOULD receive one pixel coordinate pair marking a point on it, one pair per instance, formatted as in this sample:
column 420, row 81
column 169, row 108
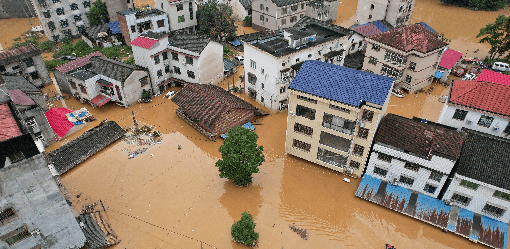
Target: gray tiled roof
column 83, row 74
column 193, row 43
column 485, row 158
column 281, row 3
column 95, row 237
column 246, row 4
column 92, row 32
column 19, row 83
column 227, row 65
column 152, row 35
column 89, row 143
column 111, row 68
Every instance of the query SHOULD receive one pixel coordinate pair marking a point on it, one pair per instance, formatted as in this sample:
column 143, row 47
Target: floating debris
column 302, row 232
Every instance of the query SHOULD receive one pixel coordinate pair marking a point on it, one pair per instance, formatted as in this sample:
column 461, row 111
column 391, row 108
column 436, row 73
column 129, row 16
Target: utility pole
column 134, row 120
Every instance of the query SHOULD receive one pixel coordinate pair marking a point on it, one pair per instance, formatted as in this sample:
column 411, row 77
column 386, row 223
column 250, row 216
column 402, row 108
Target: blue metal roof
column 381, row 26
column 236, row 42
column 342, row 84
column 438, row 74
column 427, row 27
column 114, row 27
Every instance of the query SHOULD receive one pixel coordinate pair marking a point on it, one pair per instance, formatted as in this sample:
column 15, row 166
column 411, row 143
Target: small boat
column 388, row 246
column 398, row 93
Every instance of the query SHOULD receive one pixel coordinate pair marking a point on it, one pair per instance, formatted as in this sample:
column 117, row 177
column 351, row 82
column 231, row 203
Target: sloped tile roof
column 18, row 53
column 495, row 77
column 484, row 157
column 341, row 84
column 143, row 42
column 20, row 98
column 8, row 126
column 93, row 31
column 20, row 83
column 112, row 69
column 207, row 102
column 411, row 37
column 83, row 74
column 114, row 27
column 367, row 30
column 488, row 96
column 427, row 26
column 281, row 3
column 419, row 138
column 72, row 65
column 246, row 4
column 86, row 145
column 190, row 42
column 449, row 58
column 381, row 26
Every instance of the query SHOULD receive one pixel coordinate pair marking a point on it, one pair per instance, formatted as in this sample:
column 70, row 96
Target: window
column 16, row 157
column 177, row 70
column 283, row 64
column 60, row 11
column 7, row 215
column 297, row 60
column 284, row 21
column 133, row 29
column 301, row 15
column 293, row 19
column 261, row 7
column 406, row 180
column 332, row 158
column 143, row 81
column 34, row 75
column 282, row 90
column 302, row 6
column 395, row 58
column 336, row 142
column 502, row 195
column 376, row 47
column 51, row 26
column 435, row 176
column 167, row 69
column 380, row 171
column 77, row 18
column 485, row 121
column 460, row 114
column 73, row 85
column 408, row 78
column 253, row 64
column 284, row 10
column 307, row 99
column 175, row 56
column 294, row 7
column 391, row 72
column 464, row 200
column 180, row 7
column 367, row 115
column 17, row 67
column 506, row 131
column 74, row 6
column 371, row 6
column 267, row 9
column 56, row 1
column 2, row 68
column 372, row 60
column 156, row 59
column 252, row 79
column 86, row 4
column 492, row 210
column 303, row 129
column 305, row 112
column 468, row 184
column 83, row 89
column 338, row 124
column 338, row 108
column 191, row 74
column 165, row 56
column 370, row 16
column 412, row 66
column 55, row 37
column 159, row 73
column 261, row 18
column 161, row 23
column 358, row 150
column 68, row 33
column 162, row 7
column 19, row 234
column 384, row 157
column 81, row 29
column 412, row 166
column 191, row 11
column 189, row 60
column 261, row 99
column 363, row 132
column 28, row 61
column 429, row 188
column 354, row 164
column 47, row 14
column 180, row 19
column 301, row 145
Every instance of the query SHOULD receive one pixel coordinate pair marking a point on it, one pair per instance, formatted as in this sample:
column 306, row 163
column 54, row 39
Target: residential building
column 109, row 80
column 20, row 83
column 334, row 112
column 181, row 13
column 324, row 10
column 134, row 23
column 449, row 60
column 409, row 54
column 276, row 14
column 177, row 59
column 396, row 12
column 211, row 110
column 61, row 71
column 86, row 145
column 495, row 77
column 68, row 18
column 9, row 127
column 102, row 36
column 480, row 178
column 26, row 61
column 241, row 8
column 35, row 214
column 273, row 58
column 413, row 154
column 478, row 105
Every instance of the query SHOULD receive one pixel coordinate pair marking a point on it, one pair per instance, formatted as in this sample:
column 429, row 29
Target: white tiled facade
column 396, row 168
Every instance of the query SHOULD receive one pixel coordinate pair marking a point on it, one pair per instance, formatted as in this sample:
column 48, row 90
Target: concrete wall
column 62, row 83
column 43, row 127
column 132, row 20
column 238, row 9
column 323, row 106
column 173, row 14
column 43, row 76
column 384, row 10
column 132, row 88
column 16, row 9
column 326, row 13
column 273, row 15
column 210, row 64
column 483, row 195
column 399, row 12
column 114, row 6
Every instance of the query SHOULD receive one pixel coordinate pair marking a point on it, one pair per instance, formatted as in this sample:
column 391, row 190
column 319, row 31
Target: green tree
column 243, row 231
column 47, row 45
column 216, row 21
column 130, row 61
column 98, row 14
column 240, row 156
column 247, row 21
column 497, row 35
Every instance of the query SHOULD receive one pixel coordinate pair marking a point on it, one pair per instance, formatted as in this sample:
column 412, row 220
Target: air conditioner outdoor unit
column 349, row 171
column 35, row 232
column 292, row 113
column 495, row 128
column 468, row 121
column 394, row 181
column 448, row 202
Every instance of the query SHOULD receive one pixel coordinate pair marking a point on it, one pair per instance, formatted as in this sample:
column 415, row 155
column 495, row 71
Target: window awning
column 334, row 53
column 297, row 66
column 438, row 74
column 104, row 83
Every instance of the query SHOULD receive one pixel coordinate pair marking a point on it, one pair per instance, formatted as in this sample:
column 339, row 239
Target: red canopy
column 57, row 119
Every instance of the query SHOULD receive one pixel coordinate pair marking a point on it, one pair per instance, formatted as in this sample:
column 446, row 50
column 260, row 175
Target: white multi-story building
column 480, row 181
column 272, row 59
column 478, row 105
column 181, row 13
column 414, row 155
column 395, row 12
column 133, row 23
column 181, row 58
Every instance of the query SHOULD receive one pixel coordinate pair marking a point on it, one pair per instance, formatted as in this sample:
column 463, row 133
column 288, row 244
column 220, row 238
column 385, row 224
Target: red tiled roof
column 449, row 58
column 64, row 68
column 488, row 96
column 58, row 121
column 8, row 126
column 20, row 98
column 367, row 30
column 144, row 42
column 491, row 76
column 18, row 51
column 100, row 100
column 411, row 37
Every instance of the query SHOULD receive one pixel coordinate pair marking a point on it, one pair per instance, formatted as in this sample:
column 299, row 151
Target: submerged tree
column 216, row 21
column 240, row 156
column 243, row 231
column 497, row 35
column 98, row 14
